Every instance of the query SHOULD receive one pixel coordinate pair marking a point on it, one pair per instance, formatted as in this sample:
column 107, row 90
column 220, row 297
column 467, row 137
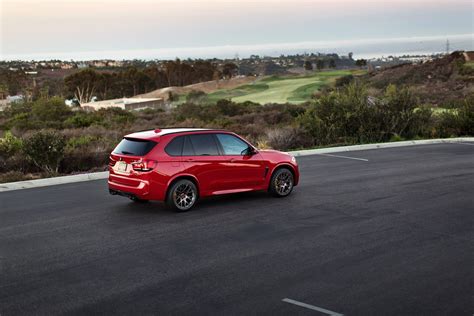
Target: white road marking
column 346, row 157
column 315, row 308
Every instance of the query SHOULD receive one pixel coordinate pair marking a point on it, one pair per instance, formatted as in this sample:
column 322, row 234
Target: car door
column 201, row 157
column 244, row 169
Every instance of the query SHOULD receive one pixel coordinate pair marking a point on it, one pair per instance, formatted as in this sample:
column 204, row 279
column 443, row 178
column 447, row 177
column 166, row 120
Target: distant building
column 125, row 104
column 9, row 100
column 15, row 98
column 66, row 66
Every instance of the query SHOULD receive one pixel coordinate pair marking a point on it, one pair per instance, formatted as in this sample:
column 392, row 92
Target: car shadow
column 226, row 202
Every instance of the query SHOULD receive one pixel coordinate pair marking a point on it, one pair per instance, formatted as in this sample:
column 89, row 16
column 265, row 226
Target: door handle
column 233, row 160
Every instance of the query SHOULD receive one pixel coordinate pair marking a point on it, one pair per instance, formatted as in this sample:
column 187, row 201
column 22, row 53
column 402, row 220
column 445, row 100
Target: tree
column 332, row 63
column 104, row 85
column 308, row 65
column 361, row 62
column 319, row 64
column 83, row 84
column 170, row 69
column 229, row 70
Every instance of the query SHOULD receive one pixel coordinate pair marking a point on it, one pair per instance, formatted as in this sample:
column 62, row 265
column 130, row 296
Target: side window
column 188, row 149
column 175, row 147
column 204, row 145
column 231, row 144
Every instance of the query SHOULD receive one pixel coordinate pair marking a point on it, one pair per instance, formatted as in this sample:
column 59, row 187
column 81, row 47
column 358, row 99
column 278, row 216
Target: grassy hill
column 206, row 87
column 280, row 89
column 291, row 88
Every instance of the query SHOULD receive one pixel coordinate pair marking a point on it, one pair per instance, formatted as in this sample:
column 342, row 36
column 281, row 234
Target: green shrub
column 196, row 96
column 80, row 141
column 396, row 138
column 344, row 80
column 466, row 118
column 80, row 119
column 10, row 145
column 350, row 116
column 50, row 112
column 45, row 149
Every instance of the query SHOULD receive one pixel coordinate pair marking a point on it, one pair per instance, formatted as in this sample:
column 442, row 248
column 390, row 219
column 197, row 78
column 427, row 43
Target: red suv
column 180, row 165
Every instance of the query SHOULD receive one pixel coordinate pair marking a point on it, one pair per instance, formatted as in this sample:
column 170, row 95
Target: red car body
column 149, row 175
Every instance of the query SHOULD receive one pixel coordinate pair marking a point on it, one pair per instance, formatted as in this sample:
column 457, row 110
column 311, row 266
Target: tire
column 182, row 196
column 281, row 183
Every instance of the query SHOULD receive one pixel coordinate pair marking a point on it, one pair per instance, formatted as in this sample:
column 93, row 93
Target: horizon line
column 232, row 50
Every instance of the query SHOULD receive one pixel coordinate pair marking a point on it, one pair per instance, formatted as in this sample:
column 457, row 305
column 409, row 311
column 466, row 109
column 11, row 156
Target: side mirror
column 250, row 151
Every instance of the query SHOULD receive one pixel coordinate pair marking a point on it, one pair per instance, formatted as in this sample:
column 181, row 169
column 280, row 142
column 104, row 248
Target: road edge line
column 29, row 184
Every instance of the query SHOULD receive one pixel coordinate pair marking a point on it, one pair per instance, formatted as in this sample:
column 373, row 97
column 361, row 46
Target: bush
column 196, row 96
column 79, row 141
column 88, row 158
column 85, row 153
column 466, row 118
column 13, row 176
column 285, row 138
column 344, row 80
column 350, row 116
column 9, row 145
column 50, row 112
column 80, row 119
column 46, row 150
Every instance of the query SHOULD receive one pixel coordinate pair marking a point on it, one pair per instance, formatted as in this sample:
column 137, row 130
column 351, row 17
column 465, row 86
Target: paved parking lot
column 387, row 233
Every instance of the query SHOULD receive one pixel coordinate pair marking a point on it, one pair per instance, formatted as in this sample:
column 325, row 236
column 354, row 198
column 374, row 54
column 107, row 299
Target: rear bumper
column 122, row 193
column 129, row 187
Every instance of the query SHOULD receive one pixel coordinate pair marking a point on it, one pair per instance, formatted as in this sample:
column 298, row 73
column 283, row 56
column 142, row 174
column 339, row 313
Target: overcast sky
column 146, row 28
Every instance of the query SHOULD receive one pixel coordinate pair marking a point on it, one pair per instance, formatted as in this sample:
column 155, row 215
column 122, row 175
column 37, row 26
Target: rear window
column 134, row 147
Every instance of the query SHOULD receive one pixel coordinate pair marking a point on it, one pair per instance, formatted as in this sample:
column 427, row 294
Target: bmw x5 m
column 181, row 165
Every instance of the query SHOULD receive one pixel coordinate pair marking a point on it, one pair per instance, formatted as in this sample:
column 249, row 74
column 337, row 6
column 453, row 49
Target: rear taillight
column 111, row 161
column 144, row 165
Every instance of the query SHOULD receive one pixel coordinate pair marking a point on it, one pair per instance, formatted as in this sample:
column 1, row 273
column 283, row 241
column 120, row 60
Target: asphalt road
column 389, row 236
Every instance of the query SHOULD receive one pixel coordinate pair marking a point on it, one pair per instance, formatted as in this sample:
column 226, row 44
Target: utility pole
column 447, row 47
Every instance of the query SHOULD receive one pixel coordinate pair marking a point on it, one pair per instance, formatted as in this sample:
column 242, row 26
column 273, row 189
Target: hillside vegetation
column 442, row 82
column 341, row 108
column 80, row 141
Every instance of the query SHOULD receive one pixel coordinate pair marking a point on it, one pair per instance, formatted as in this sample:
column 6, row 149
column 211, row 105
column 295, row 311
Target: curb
column 53, row 181
column 307, row 152
column 330, row 150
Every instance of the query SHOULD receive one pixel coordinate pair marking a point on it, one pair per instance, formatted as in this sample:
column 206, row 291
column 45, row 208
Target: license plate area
column 121, row 167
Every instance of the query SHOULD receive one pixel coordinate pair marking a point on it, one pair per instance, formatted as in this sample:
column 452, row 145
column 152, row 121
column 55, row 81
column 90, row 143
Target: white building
column 125, row 104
